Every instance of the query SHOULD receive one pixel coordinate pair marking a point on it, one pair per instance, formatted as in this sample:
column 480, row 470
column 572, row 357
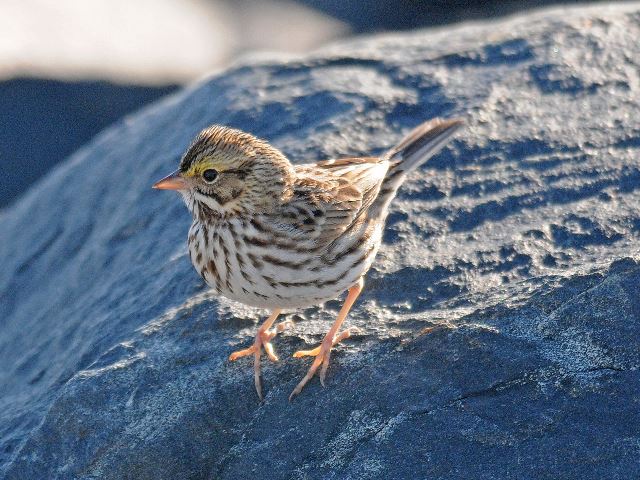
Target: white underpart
column 267, row 291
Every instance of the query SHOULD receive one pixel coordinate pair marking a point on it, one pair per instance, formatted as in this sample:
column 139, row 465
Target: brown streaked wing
column 338, row 163
column 330, row 195
column 366, row 173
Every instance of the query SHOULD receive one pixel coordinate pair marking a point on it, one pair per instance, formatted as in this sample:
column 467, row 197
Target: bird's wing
column 364, row 173
column 330, row 196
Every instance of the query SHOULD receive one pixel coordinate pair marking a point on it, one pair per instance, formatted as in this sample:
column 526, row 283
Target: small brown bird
column 274, row 235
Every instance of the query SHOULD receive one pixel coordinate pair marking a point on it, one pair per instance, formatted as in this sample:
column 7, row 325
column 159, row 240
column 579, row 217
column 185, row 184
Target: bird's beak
column 173, row 181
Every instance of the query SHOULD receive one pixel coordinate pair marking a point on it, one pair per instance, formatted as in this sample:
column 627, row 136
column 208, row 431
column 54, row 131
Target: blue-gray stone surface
column 498, row 333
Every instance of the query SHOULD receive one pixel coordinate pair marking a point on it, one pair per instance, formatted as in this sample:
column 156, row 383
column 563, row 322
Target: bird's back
column 353, row 188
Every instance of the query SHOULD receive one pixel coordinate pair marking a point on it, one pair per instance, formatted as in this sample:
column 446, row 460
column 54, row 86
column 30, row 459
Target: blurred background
column 69, row 68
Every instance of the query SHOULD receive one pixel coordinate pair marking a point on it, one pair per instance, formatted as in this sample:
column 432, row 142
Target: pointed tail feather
column 423, row 142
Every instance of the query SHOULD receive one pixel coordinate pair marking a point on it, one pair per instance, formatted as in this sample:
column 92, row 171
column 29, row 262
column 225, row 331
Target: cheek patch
column 236, row 192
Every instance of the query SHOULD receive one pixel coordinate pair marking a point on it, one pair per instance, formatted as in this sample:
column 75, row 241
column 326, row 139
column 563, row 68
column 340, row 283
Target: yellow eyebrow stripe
column 199, row 167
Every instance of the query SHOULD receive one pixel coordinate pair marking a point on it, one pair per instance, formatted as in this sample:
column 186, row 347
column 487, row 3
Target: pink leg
column 323, row 352
column 263, row 336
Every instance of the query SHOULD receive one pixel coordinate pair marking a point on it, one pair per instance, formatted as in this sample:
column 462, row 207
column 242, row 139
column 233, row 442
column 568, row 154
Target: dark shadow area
column 42, row 121
column 367, row 16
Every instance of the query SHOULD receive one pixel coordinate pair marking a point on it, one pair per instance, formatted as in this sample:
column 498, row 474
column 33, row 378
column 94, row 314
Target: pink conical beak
column 173, row 181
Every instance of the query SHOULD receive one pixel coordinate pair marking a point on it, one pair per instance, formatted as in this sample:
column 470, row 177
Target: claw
column 323, row 352
column 268, row 348
column 315, row 351
column 263, row 340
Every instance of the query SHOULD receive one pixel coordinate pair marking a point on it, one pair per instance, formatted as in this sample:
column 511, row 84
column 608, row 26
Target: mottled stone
column 499, row 327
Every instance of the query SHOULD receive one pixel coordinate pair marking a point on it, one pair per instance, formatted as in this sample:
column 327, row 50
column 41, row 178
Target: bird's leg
column 263, row 340
column 323, row 352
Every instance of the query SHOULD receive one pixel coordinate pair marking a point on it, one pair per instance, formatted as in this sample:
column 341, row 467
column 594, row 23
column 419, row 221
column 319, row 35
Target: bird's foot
column 263, row 340
column 323, row 355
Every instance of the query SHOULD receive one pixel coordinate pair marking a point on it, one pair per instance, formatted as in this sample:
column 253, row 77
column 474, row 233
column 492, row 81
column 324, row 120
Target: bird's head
column 226, row 172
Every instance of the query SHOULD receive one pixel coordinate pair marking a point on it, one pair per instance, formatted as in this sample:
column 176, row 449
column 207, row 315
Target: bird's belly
column 309, row 288
column 272, row 278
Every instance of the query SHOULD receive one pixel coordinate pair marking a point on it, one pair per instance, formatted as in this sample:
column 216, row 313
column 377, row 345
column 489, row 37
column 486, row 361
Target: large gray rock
column 499, row 330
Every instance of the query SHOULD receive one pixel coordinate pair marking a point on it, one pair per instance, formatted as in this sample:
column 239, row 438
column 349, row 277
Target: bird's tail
column 422, row 143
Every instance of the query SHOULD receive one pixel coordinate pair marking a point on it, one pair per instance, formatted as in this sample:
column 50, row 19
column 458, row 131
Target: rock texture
column 499, row 330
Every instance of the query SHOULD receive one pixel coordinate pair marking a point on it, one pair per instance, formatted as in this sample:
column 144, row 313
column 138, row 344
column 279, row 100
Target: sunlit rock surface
column 498, row 333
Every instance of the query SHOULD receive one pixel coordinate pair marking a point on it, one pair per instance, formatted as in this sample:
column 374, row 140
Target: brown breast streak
column 225, row 257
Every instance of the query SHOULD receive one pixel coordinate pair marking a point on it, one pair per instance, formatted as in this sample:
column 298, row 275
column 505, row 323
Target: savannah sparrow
column 274, row 235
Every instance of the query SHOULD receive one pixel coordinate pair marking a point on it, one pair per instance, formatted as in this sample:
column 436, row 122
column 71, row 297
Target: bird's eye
column 210, row 175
